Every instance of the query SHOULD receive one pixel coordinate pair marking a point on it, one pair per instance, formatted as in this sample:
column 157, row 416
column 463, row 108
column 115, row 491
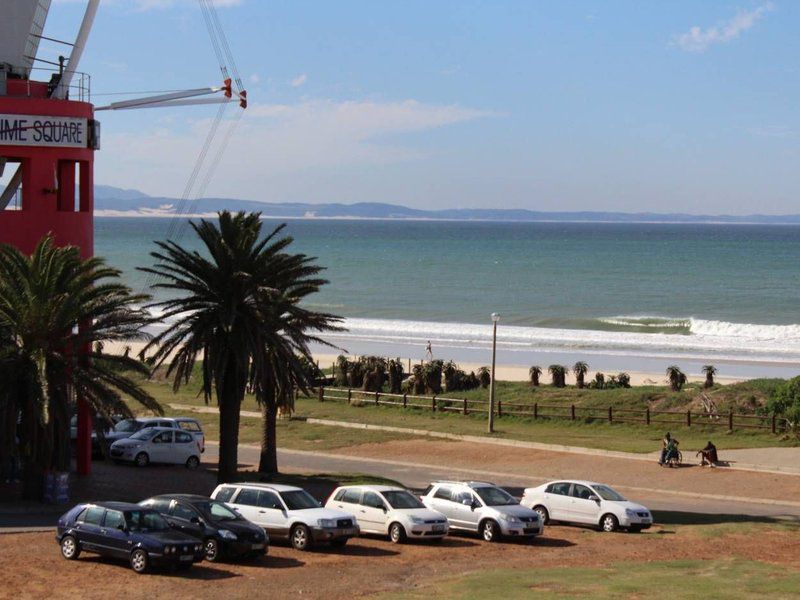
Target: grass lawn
column 669, row 579
column 592, row 434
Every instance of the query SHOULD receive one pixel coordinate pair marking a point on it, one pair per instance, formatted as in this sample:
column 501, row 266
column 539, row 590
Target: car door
column 88, row 528
column 246, row 502
column 440, row 500
column 557, row 500
column 185, row 518
column 372, row 512
column 183, row 447
column 465, row 508
column 115, row 533
column 348, row 499
column 584, row 508
column 160, row 447
column 272, row 514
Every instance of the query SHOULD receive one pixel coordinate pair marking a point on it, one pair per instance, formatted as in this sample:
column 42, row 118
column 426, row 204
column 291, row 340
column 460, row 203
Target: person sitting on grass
column 708, row 455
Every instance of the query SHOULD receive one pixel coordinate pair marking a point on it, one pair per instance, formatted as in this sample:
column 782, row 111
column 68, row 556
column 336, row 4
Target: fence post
column 647, row 416
column 377, row 398
column 773, row 422
column 349, row 396
column 610, row 415
column 499, row 408
column 688, row 418
column 572, row 411
column 465, row 406
column 405, row 399
column 433, row 404
column 535, row 410
column 730, row 420
column 321, row 394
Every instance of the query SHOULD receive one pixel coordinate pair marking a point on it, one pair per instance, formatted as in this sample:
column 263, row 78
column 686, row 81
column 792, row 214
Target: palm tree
column 599, row 380
column 239, row 308
column 676, row 378
column 535, row 372
column 558, row 373
column 56, row 311
column 484, row 377
column 580, row 368
column 710, row 371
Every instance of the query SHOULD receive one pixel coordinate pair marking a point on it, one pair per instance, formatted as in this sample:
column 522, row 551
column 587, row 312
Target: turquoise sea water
column 730, row 292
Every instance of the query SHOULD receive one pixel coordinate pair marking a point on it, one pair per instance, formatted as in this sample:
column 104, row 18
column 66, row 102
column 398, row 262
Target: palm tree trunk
column 268, row 462
column 229, row 396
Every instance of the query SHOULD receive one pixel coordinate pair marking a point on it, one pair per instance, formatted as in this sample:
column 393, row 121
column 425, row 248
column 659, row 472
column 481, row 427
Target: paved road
column 418, row 477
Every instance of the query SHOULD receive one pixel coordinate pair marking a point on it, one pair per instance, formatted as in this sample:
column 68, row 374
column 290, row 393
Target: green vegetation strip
column 733, row 579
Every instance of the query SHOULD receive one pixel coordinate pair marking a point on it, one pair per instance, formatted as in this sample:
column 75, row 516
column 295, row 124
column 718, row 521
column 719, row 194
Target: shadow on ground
column 664, row 517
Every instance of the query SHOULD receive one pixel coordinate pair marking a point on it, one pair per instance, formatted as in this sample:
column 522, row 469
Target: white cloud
column 254, row 78
column 277, row 142
column 299, row 80
column 698, row 40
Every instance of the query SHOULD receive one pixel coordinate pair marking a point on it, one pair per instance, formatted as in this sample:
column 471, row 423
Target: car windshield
column 127, row 426
column 144, row 434
column 402, row 499
column 145, row 521
column 493, row 496
column 606, row 493
column 216, row 511
column 299, row 500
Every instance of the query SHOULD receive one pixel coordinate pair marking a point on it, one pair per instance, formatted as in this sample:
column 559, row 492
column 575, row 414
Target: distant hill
column 133, row 202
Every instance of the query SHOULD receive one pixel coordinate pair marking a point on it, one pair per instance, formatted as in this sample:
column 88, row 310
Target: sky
column 629, row 106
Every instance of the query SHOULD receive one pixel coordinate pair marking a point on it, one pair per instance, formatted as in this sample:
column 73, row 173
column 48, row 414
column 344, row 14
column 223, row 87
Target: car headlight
column 227, row 534
column 416, row 520
column 326, row 523
column 198, row 547
column 629, row 512
column 169, row 549
column 510, row 519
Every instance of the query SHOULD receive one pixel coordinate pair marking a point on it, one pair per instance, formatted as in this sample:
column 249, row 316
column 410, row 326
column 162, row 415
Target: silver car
column 158, row 445
column 483, row 508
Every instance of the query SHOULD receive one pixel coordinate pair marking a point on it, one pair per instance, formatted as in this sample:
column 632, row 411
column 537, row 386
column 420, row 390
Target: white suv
column 391, row 511
column 288, row 512
column 484, row 508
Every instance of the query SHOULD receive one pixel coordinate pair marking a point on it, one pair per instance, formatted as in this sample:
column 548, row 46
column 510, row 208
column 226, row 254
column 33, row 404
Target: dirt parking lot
column 33, row 567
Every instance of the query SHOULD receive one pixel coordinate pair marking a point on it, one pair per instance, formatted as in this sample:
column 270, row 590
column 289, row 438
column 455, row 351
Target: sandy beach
column 505, row 372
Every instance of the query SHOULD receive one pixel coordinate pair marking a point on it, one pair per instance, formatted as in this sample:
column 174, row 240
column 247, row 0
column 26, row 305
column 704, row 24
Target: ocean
column 631, row 297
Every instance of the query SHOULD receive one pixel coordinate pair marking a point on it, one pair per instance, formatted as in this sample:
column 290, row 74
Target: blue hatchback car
column 126, row 531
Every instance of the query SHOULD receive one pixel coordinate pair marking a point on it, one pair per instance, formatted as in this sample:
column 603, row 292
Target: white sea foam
column 706, row 338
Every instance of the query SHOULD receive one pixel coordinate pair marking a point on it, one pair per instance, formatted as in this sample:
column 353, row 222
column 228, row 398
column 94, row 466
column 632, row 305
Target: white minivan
column 391, row 511
column 158, row 445
column 288, row 512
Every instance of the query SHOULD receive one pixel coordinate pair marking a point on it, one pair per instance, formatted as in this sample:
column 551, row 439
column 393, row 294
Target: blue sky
column 658, row 106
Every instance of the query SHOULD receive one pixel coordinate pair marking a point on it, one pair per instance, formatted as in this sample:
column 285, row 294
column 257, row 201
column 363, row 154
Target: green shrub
column 785, row 401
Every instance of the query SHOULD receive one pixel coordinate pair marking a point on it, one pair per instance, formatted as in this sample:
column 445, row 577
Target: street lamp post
column 495, row 319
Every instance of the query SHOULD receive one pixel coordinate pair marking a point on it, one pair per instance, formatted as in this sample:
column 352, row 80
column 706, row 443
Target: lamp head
column 495, row 317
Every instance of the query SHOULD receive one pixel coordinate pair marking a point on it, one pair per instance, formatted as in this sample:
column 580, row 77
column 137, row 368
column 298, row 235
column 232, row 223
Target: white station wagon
column 158, row 445
column 588, row 503
column 288, row 512
column 391, row 511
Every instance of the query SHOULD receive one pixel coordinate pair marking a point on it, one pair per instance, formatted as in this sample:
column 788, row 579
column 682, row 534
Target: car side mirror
column 594, row 498
column 466, row 502
column 196, row 521
column 122, row 527
column 384, row 509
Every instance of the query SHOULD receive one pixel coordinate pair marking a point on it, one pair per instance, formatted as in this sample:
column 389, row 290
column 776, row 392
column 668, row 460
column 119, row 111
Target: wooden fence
column 571, row 412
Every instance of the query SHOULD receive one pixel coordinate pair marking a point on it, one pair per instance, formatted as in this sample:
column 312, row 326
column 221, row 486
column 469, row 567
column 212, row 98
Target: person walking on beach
column 429, row 351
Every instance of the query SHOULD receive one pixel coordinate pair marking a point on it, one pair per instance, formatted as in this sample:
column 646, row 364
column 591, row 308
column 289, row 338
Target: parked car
column 158, row 445
column 289, row 512
column 126, row 428
column 126, row 531
column 588, row 503
column 73, row 433
column 224, row 532
column 484, row 508
column 391, row 511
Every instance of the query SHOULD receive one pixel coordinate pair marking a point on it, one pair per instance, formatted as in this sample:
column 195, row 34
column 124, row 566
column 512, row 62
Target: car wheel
column 142, row 460
column 211, row 546
column 543, row 514
column 139, row 560
column 192, row 462
column 301, row 538
column 490, row 531
column 609, row 523
column 397, row 533
column 341, row 542
column 70, row 548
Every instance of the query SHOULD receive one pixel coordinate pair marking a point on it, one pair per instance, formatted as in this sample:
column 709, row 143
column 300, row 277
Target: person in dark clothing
column 664, row 443
column 708, row 455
